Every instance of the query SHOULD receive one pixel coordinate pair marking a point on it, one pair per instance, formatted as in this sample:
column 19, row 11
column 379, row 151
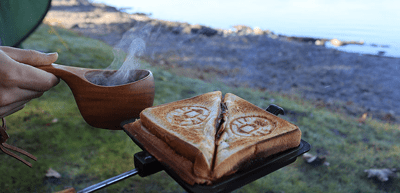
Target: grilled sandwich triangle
column 188, row 126
column 207, row 137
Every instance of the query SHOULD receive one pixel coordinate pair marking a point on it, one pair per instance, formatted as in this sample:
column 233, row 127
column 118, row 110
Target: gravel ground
column 249, row 57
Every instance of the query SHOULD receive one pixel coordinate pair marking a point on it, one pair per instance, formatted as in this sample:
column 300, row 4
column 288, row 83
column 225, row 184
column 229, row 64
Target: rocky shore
column 249, row 57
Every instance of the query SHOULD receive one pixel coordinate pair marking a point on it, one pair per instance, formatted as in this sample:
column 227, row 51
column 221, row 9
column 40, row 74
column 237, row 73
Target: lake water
column 377, row 23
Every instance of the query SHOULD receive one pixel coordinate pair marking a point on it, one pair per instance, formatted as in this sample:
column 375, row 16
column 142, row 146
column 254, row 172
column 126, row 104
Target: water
column 374, row 22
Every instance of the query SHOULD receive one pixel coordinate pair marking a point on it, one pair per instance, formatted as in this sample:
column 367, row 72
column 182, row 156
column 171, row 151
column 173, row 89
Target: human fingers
column 16, row 74
column 14, row 94
column 31, row 57
column 12, row 108
column 34, row 79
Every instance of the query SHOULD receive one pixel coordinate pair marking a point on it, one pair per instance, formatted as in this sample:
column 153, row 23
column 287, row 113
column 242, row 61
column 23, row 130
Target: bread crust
column 261, row 150
column 193, row 138
column 164, row 153
column 250, row 132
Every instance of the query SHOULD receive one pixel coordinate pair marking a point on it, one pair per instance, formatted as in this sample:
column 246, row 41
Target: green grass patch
column 84, row 155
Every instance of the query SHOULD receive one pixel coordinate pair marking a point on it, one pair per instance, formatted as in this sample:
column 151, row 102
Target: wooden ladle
column 106, row 106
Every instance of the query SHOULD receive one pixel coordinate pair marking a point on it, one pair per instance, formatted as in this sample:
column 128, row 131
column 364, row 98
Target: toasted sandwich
column 207, row 137
column 188, row 126
column 249, row 132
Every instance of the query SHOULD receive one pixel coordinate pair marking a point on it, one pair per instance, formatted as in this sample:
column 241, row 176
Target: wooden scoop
column 106, row 106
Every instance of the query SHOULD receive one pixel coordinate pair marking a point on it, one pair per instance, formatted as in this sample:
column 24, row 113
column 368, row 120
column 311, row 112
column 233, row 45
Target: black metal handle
column 275, row 109
column 145, row 165
column 110, row 181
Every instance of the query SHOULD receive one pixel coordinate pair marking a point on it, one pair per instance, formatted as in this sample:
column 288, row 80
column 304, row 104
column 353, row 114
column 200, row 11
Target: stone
column 52, row 173
column 258, row 31
column 207, row 31
column 381, row 174
column 336, row 42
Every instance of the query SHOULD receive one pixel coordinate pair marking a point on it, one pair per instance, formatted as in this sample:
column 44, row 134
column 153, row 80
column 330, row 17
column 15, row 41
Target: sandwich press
column 146, row 164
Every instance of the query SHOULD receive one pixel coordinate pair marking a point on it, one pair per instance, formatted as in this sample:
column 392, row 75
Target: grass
column 52, row 129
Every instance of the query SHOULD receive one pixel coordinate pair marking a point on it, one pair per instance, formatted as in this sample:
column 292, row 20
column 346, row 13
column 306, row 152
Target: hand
column 20, row 82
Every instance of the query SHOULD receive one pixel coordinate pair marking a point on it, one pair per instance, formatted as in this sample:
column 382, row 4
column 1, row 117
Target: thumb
column 30, row 57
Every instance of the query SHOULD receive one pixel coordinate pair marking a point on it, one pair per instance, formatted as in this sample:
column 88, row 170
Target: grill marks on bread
column 188, row 126
column 218, row 135
column 249, row 132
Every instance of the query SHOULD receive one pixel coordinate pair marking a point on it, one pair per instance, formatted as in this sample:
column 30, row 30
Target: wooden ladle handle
column 65, row 72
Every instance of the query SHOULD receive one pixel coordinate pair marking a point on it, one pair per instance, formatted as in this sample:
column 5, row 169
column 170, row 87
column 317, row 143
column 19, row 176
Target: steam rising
column 125, row 60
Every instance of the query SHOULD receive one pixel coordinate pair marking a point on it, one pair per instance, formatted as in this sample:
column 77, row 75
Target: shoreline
column 370, row 41
column 250, row 57
column 86, row 6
